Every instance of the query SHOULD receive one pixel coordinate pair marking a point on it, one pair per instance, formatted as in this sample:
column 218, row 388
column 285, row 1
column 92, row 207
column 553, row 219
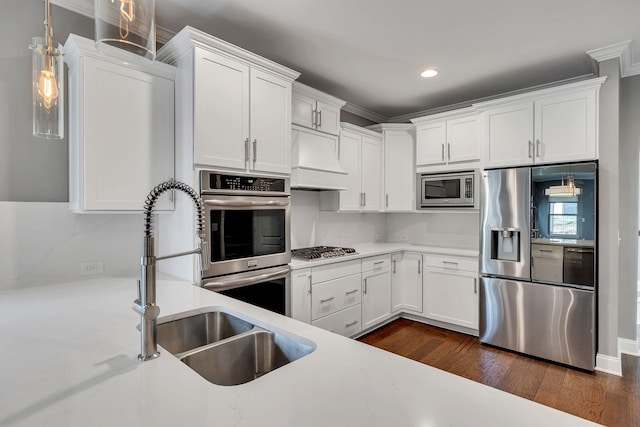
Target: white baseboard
column 628, row 346
column 609, row 364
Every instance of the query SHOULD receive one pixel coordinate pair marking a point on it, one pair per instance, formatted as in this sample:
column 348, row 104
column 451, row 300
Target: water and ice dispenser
column 505, row 244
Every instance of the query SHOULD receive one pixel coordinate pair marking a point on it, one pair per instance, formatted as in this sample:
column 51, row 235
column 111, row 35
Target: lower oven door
column 268, row 288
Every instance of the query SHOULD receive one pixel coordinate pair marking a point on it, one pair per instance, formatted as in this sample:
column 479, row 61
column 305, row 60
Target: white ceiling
column 370, row 53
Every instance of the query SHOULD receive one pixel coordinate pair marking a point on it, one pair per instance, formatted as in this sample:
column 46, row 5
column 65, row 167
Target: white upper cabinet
column 234, row 107
column 121, row 128
column 360, row 153
column 316, row 110
column 448, row 141
column 558, row 124
column 399, row 166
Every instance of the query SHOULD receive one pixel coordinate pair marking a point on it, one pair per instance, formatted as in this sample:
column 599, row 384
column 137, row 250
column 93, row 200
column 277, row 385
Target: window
column 563, row 219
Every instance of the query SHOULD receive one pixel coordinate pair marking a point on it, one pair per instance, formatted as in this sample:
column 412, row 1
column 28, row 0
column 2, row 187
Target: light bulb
column 126, row 15
column 47, row 87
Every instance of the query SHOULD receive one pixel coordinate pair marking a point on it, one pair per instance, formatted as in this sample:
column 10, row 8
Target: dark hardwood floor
column 603, row 398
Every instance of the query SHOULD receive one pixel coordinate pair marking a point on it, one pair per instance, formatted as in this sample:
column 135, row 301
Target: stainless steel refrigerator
column 538, row 261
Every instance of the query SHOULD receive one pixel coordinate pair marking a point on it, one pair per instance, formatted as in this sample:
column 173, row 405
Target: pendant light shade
column 127, row 24
column 48, row 83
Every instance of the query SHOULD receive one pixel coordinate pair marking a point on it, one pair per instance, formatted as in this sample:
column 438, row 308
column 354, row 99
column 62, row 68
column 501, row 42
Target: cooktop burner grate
column 321, row 252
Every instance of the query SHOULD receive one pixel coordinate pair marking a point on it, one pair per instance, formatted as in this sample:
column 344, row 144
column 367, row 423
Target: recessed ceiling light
column 429, row 73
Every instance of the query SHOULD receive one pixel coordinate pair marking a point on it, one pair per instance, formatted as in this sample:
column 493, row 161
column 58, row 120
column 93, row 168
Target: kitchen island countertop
column 69, row 358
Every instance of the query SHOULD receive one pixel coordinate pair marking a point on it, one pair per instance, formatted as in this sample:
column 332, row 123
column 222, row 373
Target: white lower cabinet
column 406, row 282
column 451, row 290
column 346, row 322
column 301, row 295
column 348, row 297
column 336, row 297
column 376, row 290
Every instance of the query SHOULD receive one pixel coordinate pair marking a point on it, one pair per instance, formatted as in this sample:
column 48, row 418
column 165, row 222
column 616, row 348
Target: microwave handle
column 248, row 203
column 231, row 283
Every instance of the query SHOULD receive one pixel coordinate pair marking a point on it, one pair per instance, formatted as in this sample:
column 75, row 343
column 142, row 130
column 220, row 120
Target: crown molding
column 622, row 51
column 86, row 8
column 364, row 113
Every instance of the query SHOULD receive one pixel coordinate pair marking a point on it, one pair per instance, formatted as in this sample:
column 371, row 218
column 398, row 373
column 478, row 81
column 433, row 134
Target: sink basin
column 187, row 333
column 227, row 350
column 244, row 358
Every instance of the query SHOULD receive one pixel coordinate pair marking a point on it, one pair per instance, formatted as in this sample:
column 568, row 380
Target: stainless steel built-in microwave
column 445, row 190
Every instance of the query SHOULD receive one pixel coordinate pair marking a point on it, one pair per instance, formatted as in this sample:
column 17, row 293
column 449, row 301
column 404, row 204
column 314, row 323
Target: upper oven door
column 246, row 232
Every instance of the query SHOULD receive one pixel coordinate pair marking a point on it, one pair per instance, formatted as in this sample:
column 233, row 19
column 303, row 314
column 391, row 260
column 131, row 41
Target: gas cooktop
column 321, row 252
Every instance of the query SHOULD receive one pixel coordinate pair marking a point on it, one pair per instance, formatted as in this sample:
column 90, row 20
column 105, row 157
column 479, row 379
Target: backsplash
column 312, row 227
column 454, row 230
column 44, row 243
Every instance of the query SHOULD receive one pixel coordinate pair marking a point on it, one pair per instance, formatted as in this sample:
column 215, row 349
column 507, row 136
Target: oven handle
column 224, row 284
column 242, row 203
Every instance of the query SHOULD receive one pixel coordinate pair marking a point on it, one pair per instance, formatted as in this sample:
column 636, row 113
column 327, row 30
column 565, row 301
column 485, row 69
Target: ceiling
column 370, row 53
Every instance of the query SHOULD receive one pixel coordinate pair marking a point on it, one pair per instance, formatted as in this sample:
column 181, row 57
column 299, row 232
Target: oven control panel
column 215, row 182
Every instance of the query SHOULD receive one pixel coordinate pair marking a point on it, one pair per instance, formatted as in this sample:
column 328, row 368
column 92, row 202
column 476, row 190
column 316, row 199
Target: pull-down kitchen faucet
column 146, row 302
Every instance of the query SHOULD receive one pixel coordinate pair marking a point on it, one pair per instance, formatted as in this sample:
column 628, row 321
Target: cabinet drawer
column 333, row 271
column 546, row 251
column 376, row 262
column 452, row 262
column 334, row 295
column 346, row 322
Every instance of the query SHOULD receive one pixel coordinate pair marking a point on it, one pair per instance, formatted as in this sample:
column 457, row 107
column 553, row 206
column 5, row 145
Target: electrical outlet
column 91, row 268
column 404, row 237
column 343, row 241
column 378, row 237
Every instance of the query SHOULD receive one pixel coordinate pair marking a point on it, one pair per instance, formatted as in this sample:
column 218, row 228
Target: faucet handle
column 205, row 260
column 139, row 290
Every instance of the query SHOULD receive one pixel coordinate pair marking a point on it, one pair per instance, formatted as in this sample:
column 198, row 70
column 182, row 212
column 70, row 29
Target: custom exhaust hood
column 315, row 164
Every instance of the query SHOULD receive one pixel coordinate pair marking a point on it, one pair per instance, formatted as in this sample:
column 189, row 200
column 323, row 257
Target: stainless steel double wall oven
column 247, row 227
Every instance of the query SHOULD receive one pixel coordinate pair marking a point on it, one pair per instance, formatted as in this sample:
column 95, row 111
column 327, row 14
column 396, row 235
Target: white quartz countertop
column 373, row 249
column 69, row 358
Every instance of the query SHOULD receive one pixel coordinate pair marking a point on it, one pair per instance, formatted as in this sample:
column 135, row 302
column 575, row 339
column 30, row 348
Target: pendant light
column 564, row 190
column 128, row 25
column 48, row 83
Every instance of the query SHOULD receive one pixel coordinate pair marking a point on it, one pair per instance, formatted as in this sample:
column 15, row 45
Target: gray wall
column 354, row 119
column 629, row 158
column 608, row 277
column 33, row 169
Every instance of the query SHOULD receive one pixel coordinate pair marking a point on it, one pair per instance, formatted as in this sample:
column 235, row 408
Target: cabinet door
column 463, row 140
column 451, row 297
column 125, row 143
column 350, row 159
column 431, row 140
column 397, row 281
column 399, row 172
column 412, row 268
column 220, row 111
column 301, row 295
column 376, row 297
column 565, row 127
column 371, row 173
column 509, row 135
column 328, row 118
column 303, row 110
column 270, row 128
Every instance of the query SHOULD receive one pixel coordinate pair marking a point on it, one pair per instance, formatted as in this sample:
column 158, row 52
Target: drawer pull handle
column 545, row 250
column 327, row 300
column 348, row 325
column 351, row 292
column 378, row 262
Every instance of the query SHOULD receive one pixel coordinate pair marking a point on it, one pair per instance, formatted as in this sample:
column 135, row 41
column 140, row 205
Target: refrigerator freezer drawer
column 551, row 322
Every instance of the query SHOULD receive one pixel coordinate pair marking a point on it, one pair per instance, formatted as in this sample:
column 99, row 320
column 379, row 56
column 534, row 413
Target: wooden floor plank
column 603, row 398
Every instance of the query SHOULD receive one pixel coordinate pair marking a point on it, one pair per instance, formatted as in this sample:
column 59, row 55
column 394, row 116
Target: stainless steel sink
column 227, row 350
column 187, row 333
